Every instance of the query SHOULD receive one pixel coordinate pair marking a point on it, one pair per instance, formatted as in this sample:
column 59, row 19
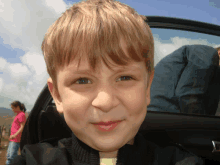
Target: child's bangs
column 113, row 34
column 104, row 39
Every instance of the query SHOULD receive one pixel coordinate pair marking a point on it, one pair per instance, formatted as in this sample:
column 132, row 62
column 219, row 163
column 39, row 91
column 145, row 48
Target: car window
column 169, row 40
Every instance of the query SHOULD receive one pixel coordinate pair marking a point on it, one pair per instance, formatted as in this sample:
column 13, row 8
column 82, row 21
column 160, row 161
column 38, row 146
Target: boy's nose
column 105, row 101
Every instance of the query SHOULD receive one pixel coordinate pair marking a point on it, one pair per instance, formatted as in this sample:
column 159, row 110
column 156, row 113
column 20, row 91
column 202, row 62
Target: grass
column 4, row 139
column 3, row 150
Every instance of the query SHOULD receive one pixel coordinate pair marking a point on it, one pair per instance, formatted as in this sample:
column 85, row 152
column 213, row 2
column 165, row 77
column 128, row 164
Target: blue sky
column 200, row 10
column 24, row 23
column 203, row 10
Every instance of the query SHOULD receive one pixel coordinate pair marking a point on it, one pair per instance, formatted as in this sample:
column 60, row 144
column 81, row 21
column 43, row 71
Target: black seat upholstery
column 52, row 125
column 44, row 124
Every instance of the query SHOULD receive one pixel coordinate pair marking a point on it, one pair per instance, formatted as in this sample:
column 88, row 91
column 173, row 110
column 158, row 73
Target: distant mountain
column 6, row 111
column 9, row 112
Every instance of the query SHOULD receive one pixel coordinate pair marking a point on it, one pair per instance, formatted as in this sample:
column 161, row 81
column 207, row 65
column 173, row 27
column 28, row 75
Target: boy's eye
column 124, row 78
column 83, row 81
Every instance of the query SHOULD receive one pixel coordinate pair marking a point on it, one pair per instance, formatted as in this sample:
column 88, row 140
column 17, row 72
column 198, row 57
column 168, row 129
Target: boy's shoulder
column 55, row 151
column 50, row 151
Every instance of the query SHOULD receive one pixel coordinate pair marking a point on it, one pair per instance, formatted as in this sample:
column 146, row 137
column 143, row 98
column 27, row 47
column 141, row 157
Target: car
column 199, row 134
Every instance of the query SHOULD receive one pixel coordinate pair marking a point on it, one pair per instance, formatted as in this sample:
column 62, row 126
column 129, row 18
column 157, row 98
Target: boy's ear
column 55, row 95
column 150, row 77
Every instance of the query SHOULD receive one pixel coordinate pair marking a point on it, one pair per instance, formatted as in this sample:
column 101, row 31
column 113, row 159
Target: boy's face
column 87, row 98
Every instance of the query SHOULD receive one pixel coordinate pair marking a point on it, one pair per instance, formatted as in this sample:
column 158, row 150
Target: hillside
column 5, row 112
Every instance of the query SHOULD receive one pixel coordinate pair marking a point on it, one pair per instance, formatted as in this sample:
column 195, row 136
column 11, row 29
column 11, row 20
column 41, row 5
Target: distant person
column 16, row 130
column 3, row 132
column 186, row 81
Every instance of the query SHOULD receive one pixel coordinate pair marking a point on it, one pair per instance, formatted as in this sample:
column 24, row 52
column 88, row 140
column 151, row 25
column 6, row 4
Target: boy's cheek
column 78, row 106
column 134, row 96
column 75, row 107
column 74, row 119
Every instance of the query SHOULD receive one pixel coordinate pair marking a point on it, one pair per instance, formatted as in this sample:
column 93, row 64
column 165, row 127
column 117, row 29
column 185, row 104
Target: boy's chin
column 108, row 145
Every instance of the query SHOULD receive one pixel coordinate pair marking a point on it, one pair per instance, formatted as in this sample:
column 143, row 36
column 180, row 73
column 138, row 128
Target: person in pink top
column 16, row 130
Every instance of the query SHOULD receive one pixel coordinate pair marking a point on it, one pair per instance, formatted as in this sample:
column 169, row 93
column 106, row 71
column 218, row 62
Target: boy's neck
column 114, row 153
column 108, row 154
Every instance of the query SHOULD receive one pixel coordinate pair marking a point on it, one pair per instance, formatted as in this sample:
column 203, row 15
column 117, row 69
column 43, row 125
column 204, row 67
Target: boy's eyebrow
column 127, row 68
column 130, row 68
column 84, row 71
column 118, row 70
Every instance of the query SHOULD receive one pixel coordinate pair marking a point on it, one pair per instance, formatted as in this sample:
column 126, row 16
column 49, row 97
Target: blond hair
column 218, row 48
column 93, row 30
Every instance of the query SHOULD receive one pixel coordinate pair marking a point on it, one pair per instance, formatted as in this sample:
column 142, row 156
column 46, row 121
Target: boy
column 99, row 55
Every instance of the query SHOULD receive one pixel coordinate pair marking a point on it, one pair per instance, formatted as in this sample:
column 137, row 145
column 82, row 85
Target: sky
column 23, row 24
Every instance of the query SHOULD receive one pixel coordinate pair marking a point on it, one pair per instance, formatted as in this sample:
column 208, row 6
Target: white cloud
column 10, row 89
column 23, row 25
column 21, row 83
column 217, row 46
column 17, row 70
column 163, row 49
column 25, row 22
column 35, row 62
column 57, row 5
column 1, row 84
column 3, row 63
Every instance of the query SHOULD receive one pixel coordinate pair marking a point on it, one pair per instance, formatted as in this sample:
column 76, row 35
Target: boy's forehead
column 84, row 66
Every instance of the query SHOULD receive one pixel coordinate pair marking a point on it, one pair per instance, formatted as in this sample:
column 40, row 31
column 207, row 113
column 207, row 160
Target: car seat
column 44, row 122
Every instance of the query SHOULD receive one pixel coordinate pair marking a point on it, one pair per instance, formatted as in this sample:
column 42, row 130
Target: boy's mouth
column 107, row 123
column 107, row 126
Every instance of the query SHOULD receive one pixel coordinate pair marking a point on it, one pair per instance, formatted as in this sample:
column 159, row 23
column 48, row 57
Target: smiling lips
column 106, row 126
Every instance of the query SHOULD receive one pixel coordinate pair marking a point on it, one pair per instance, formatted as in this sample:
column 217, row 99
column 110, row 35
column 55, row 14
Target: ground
column 3, row 150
